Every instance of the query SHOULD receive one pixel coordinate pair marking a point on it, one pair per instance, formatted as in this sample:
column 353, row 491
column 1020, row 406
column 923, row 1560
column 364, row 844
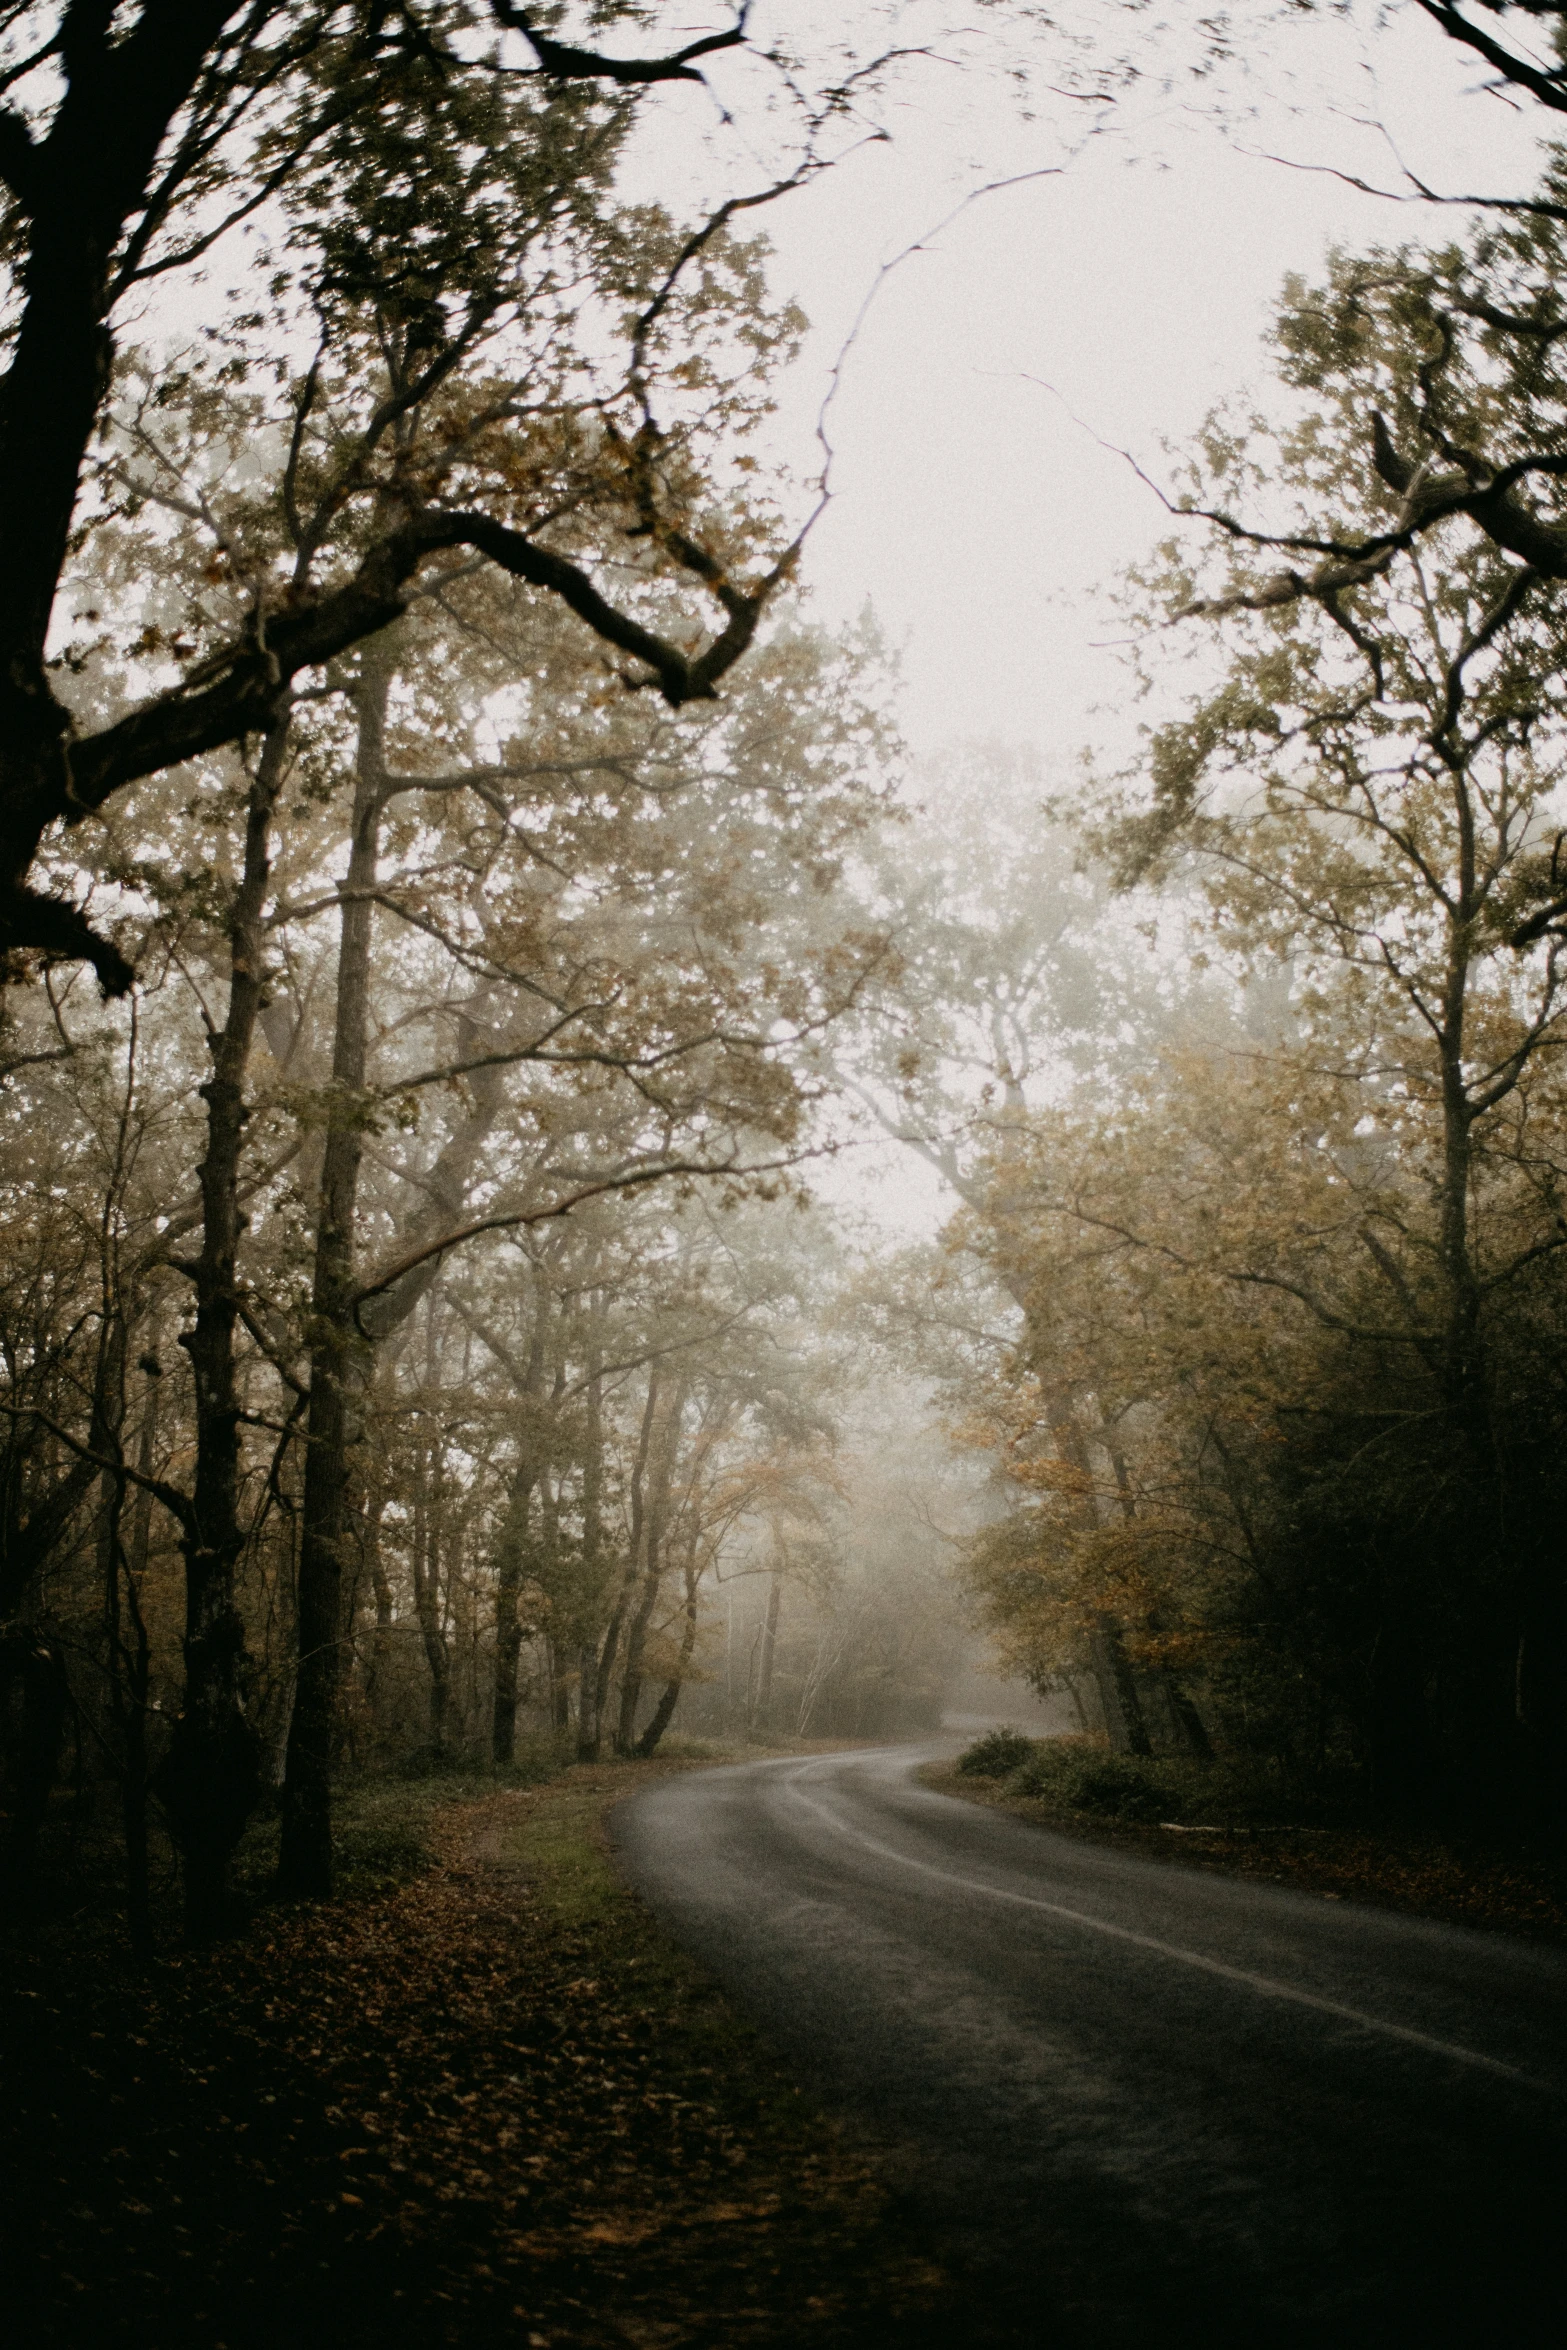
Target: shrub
column 1080, row 1775
column 997, row 1755
column 1051, row 1770
column 1120, row 1789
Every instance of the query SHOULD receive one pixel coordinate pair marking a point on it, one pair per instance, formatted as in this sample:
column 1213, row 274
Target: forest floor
column 480, row 2097
column 1457, row 1880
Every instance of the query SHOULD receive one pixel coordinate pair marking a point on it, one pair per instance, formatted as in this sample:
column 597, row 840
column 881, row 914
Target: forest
column 464, row 910
column 443, row 973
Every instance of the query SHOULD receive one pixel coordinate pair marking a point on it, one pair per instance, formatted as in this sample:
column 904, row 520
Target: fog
column 636, row 1175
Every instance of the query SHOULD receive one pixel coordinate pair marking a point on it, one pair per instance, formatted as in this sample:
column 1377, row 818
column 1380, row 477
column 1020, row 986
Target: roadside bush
column 1235, row 1791
column 1051, row 1769
column 997, row 1755
column 1120, row 1789
column 1081, row 1775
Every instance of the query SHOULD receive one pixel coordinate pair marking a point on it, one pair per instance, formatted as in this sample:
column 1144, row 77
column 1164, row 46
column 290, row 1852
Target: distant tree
column 1371, row 1198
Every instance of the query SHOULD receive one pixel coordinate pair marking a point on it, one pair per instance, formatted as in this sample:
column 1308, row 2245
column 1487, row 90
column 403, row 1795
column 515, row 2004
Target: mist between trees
column 418, row 1334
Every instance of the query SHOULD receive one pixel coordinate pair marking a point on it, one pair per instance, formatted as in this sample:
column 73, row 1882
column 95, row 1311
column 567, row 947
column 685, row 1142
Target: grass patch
column 383, row 1827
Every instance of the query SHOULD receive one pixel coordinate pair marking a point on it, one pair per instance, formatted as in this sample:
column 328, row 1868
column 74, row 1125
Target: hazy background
column 974, row 506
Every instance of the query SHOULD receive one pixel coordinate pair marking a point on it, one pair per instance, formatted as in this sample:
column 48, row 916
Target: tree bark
column 1123, row 1712
column 211, row 1776
column 510, row 1559
column 337, row 1355
column 429, row 1499
column 633, row 1567
column 130, row 1675
column 655, row 1525
column 664, row 1712
column 512, row 1551
column 381, row 1596
column 764, row 1683
column 1464, row 1365
column 589, row 1703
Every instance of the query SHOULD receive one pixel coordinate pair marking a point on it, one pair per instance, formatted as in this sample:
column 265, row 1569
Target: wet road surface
column 1138, row 2103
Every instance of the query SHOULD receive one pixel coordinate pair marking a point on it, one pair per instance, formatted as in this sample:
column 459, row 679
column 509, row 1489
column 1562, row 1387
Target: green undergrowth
column 382, row 1823
column 1083, row 1775
column 561, row 1847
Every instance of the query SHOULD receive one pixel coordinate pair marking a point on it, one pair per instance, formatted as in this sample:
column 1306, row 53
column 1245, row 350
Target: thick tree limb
column 235, row 692
column 176, row 1503
column 515, row 1219
column 1548, row 84
column 566, row 63
column 239, row 690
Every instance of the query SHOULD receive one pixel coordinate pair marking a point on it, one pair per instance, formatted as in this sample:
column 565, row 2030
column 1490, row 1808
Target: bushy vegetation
column 1087, row 1776
column 997, row 1755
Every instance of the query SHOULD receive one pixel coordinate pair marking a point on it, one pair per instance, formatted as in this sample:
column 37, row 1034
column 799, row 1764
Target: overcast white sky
column 971, row 510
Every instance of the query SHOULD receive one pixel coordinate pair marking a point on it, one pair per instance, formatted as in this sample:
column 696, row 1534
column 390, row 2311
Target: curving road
column 1138, row 2103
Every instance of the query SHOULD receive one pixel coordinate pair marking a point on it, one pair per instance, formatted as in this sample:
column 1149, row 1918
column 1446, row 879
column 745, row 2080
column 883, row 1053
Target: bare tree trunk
column 336, row 1357
column 589, row 1703
column 664, row 1712
column 560, row 1688
column 1123, row 1712
column 510, row 1556
column 381, row 1594
column 35, row 1693
column 28, row 1541
column 764, row 1691
column 211, row 1777
column 1190, row 1730
column 633, row 1567
column 139, row 1679
column 655, row 1524
column 512, row 1550
column 130, row 1667
column 429, row 1495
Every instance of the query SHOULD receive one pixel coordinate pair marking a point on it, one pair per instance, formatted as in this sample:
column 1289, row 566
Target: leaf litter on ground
column 491, row 2102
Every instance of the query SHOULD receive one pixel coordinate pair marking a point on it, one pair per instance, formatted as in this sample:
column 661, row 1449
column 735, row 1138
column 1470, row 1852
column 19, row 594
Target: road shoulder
column 1419, row 1875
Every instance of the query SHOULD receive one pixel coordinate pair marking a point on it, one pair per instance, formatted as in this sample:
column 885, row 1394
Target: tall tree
column 442, row 205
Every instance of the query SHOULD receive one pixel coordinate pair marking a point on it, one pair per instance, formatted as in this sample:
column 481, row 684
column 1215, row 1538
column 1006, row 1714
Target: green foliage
column 1237, row 1792
column 997, row 1755
column 1119, row 1789
column 1078, row 1775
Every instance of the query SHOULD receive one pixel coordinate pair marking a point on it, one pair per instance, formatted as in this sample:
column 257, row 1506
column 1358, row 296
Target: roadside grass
column 479, row 2097
column 382, row 1822
column 1241, row 1816
column 1251, row 1820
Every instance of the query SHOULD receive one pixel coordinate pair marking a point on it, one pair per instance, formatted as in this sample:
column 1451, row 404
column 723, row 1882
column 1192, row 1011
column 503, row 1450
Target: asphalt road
column 1134, row 2102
